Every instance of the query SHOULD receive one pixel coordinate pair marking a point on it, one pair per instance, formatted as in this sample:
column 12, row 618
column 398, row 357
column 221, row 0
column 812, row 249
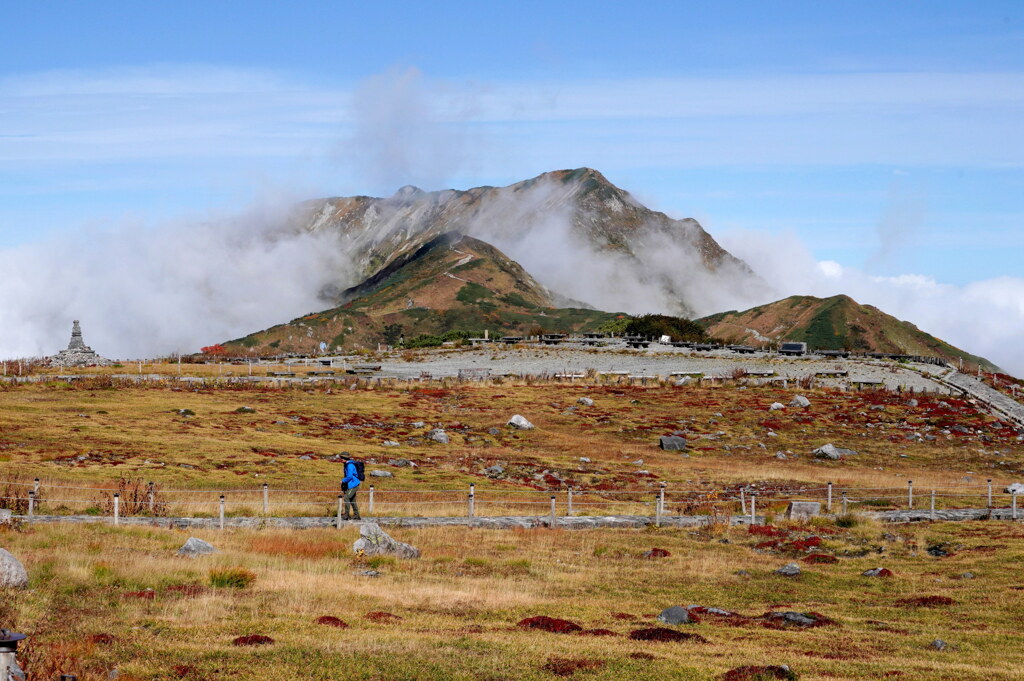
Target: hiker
column 349, row 486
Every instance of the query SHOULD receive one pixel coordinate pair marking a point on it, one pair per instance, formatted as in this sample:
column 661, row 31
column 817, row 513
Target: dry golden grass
column 460, row 602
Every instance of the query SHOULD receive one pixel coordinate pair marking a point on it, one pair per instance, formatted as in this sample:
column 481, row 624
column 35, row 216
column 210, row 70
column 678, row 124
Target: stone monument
column 78, row 354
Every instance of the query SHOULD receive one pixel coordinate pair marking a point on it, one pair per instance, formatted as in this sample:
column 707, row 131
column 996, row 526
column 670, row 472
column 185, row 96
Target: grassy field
column 88, row 609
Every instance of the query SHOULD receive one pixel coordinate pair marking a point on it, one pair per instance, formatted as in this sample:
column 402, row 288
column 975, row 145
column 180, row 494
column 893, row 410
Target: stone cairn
column 78, row 354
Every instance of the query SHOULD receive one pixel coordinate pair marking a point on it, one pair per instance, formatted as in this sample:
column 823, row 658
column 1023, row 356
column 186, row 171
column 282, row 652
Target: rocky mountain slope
column 452, row 282
column 573, row 229
column 836, row 323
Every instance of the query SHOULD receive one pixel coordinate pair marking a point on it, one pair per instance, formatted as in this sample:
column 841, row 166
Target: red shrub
column 252, row 640
column 767, row 531
column 663, row 634
column 657, row 553
column 552, row 624
column 331, row 622
column 926, row 601
column 623, row 616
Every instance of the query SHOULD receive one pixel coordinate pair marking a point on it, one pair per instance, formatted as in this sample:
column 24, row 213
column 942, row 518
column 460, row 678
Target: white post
column 743, row 502
column 753, row 509
column 990, row 493
column 568, row 505
column 910, row 494
column 1013, row 506
column 661, row 499
column 117, row 508
column 844, row 502
column 35, row 486
column 222, row 511
column 31, row 505
column 657, row 512
column 933, row 505
column 552, row 521
column 828, row 500
column 370, row 505
column 337, row 522
column 472, row 500
column 266, row 499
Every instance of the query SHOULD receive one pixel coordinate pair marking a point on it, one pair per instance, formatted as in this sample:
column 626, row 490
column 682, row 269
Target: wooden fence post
column 222, row 511
column 266, row 499
column 117, row 508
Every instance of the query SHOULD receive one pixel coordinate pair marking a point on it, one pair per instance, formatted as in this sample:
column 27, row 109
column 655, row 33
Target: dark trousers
column 350, row 506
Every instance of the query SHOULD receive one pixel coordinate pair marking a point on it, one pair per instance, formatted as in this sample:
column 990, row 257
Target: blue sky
column 886, row 137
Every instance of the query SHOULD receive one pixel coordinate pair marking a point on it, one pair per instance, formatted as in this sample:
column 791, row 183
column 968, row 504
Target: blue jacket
column 350, row 479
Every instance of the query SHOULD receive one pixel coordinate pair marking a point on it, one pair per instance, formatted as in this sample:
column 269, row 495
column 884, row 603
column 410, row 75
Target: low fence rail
column 116, row 501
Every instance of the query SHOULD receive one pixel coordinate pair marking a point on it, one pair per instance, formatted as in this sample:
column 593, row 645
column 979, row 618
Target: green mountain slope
column 836, row 323
column 451, row 283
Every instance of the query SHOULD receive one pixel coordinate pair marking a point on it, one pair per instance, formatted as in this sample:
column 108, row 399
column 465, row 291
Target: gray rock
column 520, row 422
column 684, row 381
column 775, row 406
column 12, row 573
column 382, row 474
column 368, row 573
column 802, row 510
column 873, row 572
column 674, row 615
column 797, row 618
column 418, row 424
column 789, row 570
column 195, row 547
column 830, row 451
column 6, row 515
column 584, row 459
column 1015, row 488
column 800, row 401
column 638, row 462
column 494, row 471
column 305, row 457
column 672, row 443
column 401, row 463
column 374, row 541
column 912, row 402
column 438, row 435
column 494, row 431
column 780, row 456
column 938, row 644
column 586, row 401
column 965, row 575
column 391, row 443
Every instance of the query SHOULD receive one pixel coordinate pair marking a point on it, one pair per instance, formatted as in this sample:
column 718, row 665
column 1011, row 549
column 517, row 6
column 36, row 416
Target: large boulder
column 672, row 443
column 830, row 451
column 438, row 435
column 374, row 541
column 12, row 572
column 586, row 401
column 800, row 402
column 195, row 547
column 675, row 615
column 789, row 570
column 520, row 422
column 776, row 406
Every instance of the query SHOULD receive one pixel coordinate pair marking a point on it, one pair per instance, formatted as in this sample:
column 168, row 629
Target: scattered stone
column 938, row 644
column 672, row 443
column 938, row 550
column 780, row 456
column 912, row 402
column 382, row 474
column 830, row 451
column 391, row 443
column 761, row 673
column 186, row 412
column 497, row 470
column 438, row 435
column 368, row 573
column 805, row 620
column 494, row 432
column 194, row 547
column 584, row 459
column 675, row 615
column 800, row 401
column 638, row 462
column 374, row 541
column 401, row 463
column 965, row 575
column 586, row 401
column 12, row 573
column 520, row 422
column 802, row 510
column 775, row 406
column 789, row 570
column 418, row 424
column 877, row 572
column 305, row 457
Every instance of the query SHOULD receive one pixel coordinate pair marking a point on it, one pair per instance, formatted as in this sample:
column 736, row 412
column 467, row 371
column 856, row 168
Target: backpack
column 360, row 470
